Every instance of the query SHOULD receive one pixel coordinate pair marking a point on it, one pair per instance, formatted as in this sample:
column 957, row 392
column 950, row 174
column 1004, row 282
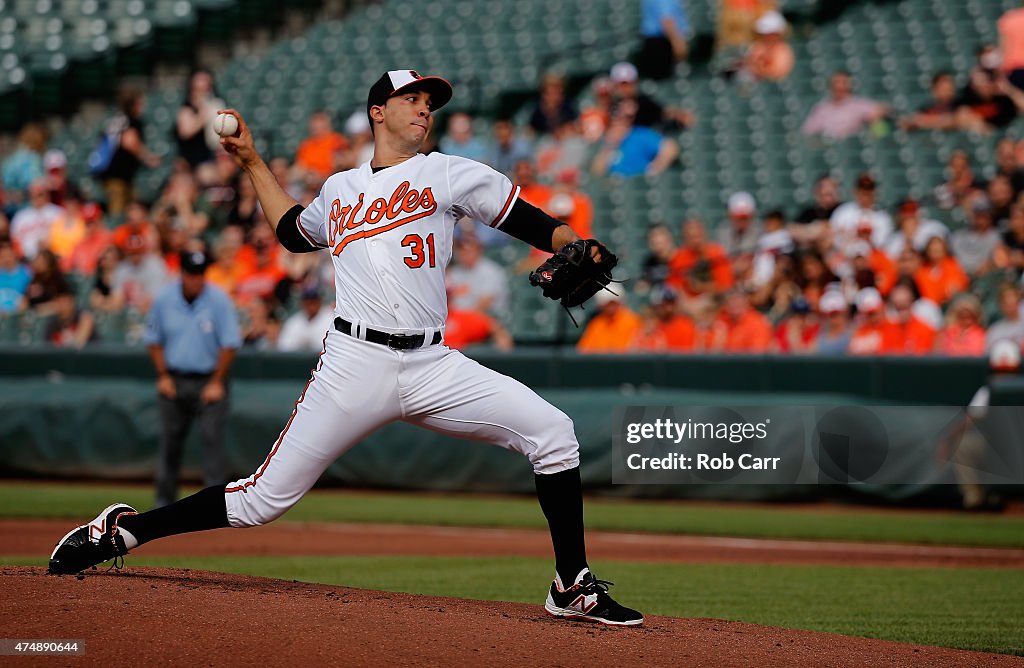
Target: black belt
column 393, row 341
column 193, row 375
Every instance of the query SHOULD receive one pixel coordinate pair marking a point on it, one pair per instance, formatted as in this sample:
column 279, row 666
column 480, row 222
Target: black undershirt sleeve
column 288, row 232
column 528, row 223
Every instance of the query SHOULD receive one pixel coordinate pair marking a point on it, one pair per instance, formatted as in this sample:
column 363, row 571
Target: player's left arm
column 535, row 227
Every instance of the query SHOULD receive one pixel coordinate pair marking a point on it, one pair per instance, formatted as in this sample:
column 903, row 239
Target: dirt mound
column 185, row 617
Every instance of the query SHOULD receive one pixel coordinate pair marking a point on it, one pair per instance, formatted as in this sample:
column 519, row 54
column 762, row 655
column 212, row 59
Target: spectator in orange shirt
column 910, row 333
column 611, row 329
column 665, row 329
column 466, row 327
column 267, row 279
column 873, row 334
column 940, row 276
column 316, row 156
column 530, row 191
column 136, row 223
column 866, row 258
column 235, row 261
column 581, row 216
column 699, row 267
column 963, row 334
column 68, row 228
column 799, row 331
column 710, row 331
column 747, row 330
column 95, row 239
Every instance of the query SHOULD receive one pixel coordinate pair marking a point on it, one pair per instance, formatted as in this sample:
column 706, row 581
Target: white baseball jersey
column 390, row 234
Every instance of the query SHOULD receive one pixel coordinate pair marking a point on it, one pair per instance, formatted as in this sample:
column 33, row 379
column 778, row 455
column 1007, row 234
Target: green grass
column 948, row 528
column 975, row 609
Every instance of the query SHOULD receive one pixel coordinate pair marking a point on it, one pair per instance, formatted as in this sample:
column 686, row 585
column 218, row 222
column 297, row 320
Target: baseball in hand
column 225, row 125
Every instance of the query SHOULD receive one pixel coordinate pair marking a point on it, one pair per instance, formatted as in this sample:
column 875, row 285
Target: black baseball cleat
column 588, row 599
column 90, row 544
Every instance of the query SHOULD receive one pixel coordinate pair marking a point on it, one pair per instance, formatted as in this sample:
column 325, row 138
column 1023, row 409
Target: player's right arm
column 280, row 209
column 274, row 200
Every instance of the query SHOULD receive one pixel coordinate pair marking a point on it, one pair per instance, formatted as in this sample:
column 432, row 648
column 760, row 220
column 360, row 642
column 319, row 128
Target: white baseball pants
column 358, row 386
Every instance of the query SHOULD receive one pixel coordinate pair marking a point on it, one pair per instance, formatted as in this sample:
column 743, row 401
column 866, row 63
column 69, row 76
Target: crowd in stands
column 842, row 274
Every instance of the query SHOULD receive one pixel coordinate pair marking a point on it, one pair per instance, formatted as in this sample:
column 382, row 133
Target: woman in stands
column 131, row 153
column 195, row 119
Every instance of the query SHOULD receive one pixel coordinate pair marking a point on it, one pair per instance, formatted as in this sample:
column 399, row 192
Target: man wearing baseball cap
column 739, row 237
column 863, row 208
column 394, row 82
column 834, row 335
column 649, row 112
column 873, row 335
column 192, row 333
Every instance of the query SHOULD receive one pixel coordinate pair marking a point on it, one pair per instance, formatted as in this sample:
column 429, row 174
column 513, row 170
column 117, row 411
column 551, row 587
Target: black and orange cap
column 396, row 81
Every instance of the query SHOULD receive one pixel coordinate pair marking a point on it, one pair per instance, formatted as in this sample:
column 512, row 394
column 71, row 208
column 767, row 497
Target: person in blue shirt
column 192, row 333
column 665, row 30
column 460, row 139
column 23, row 166
column 14, row 278
column 632, row 150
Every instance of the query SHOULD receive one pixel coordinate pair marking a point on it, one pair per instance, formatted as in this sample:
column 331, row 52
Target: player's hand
column 241, row 147
column 165, row 387
column 212, row 392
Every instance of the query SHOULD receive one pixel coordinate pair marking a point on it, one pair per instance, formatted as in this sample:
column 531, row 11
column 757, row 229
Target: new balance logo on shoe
column 584, row 603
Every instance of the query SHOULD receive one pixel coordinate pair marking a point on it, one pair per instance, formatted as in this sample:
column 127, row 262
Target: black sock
column 204, row 510
column 561, row 499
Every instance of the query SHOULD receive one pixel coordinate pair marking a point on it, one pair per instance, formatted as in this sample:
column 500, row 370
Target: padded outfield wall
column 93, row 414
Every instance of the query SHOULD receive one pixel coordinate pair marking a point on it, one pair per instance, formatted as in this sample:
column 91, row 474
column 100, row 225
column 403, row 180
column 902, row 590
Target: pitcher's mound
column 148, row 616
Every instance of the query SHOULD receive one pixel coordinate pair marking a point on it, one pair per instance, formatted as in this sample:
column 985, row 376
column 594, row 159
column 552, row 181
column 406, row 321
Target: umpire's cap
column 194, row 262
column 396, row 81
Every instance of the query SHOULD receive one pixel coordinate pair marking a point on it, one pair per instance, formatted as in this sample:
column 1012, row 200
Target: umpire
column 192, row 333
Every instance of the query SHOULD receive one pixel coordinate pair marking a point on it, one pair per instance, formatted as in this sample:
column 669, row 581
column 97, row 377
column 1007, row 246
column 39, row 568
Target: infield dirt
column 153, row 616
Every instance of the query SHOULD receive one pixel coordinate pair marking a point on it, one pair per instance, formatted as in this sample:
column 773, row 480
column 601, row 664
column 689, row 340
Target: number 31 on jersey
column 415, row 244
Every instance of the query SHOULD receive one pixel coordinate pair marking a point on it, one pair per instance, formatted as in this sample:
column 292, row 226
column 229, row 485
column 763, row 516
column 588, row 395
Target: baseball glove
column 572, row 276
